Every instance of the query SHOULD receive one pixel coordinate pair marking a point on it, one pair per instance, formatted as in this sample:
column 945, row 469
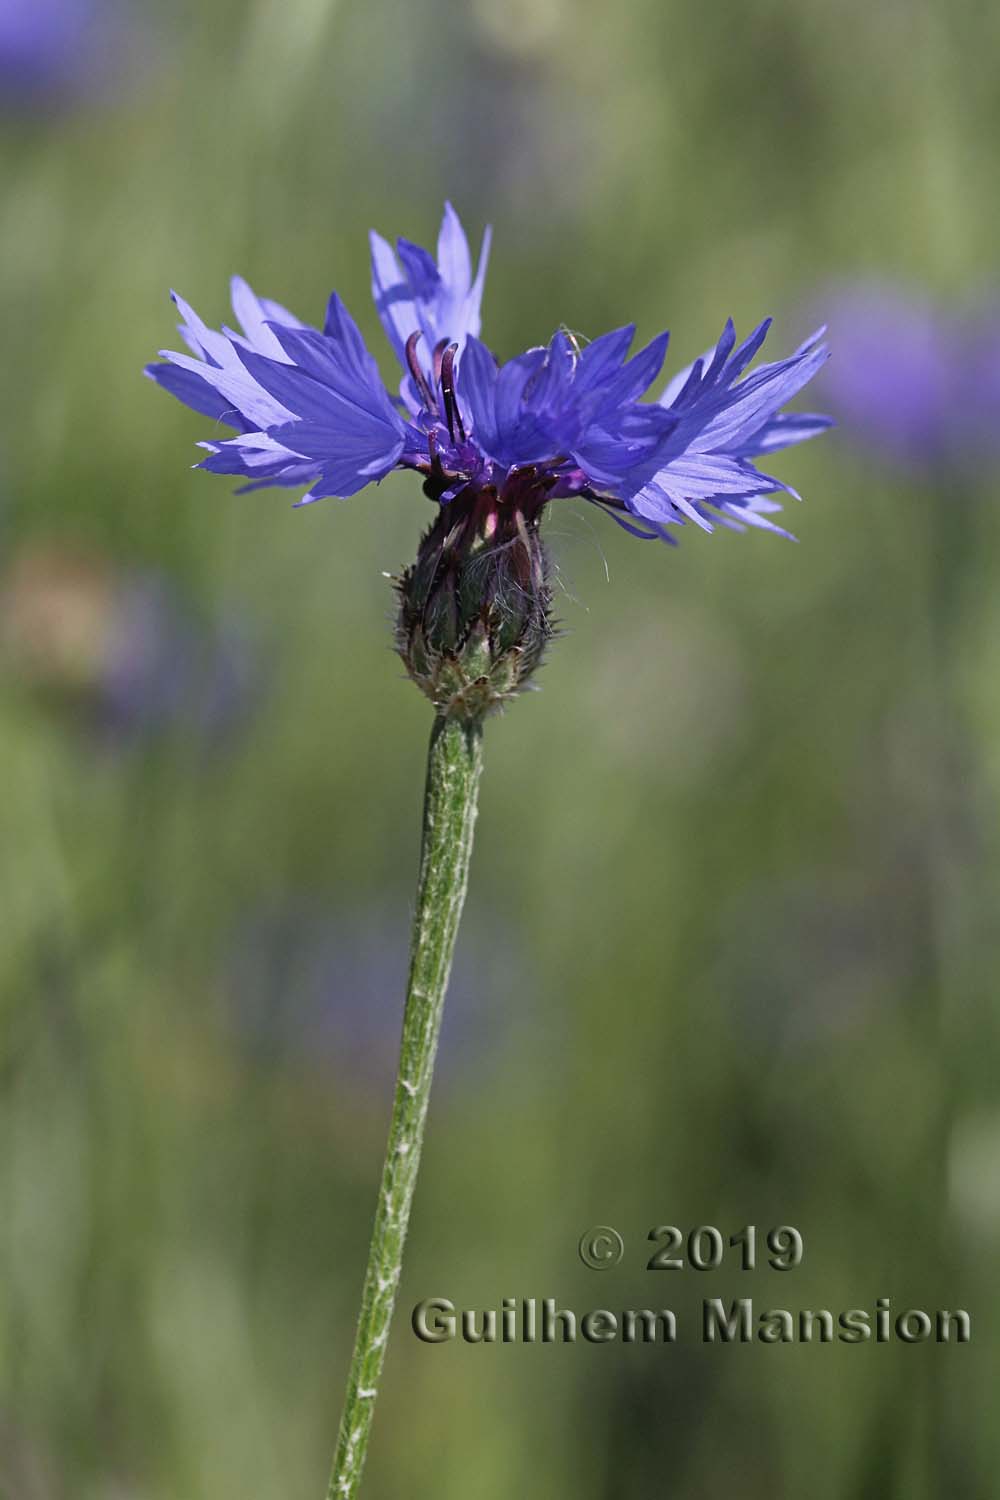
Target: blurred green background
column 730, row 938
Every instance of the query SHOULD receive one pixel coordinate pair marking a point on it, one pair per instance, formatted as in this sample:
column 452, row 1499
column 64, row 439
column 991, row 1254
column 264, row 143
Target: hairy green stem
column 454, row 763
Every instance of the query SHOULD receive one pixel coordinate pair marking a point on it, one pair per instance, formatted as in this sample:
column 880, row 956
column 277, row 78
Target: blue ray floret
column 310, row 410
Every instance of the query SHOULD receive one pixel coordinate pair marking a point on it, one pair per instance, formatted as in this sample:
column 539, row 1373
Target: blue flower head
column 494, row 443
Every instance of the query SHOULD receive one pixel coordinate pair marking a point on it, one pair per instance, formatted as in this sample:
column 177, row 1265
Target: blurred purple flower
column 46, row 47
column 982, row 369
column 53, row 52
column 121, row 648
column 306, row 987
column 912, row 380
column 162, row 670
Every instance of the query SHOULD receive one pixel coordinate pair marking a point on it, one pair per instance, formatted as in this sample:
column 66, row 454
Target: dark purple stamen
column 438, row 355
column 432, row 451
column 419, row 378
column 452, row 414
